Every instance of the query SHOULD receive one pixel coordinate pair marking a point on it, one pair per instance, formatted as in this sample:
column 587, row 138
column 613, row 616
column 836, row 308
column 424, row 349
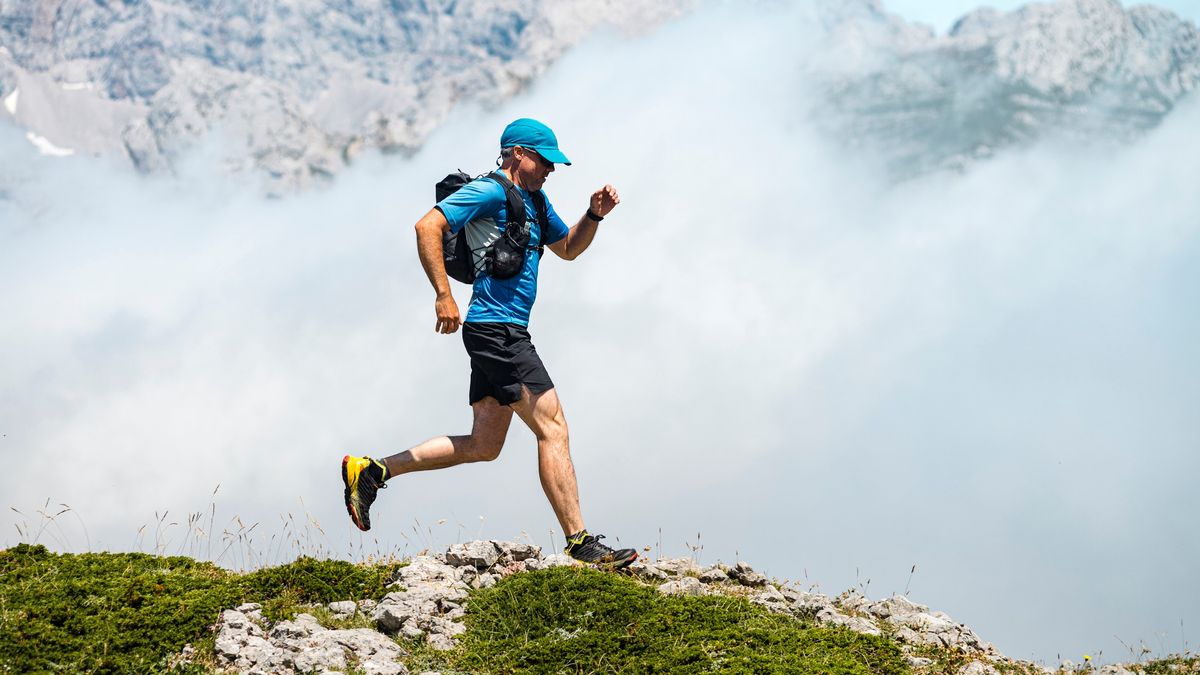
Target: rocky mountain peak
column 304, row 87
column 1085, row 69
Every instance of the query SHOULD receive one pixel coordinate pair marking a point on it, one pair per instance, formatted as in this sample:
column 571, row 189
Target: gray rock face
column 478, row 554
column 857, row 624
column 298, row 88
column 303, row 646
column 343, row 608
column 677, row 566
column 687, row 586
column 978, row 668
column 557, row 560
column 511, row 551
column 430, row 596
column 713, row 575
column 771, row 598
column 746, row 576
column 1082, row 69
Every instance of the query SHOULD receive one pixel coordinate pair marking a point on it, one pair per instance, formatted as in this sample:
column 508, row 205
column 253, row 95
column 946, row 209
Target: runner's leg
column 488, row 431
column 543, row 414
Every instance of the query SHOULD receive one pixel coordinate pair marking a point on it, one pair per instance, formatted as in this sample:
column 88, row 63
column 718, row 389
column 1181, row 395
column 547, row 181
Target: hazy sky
column 770, row 353
column 941, row 14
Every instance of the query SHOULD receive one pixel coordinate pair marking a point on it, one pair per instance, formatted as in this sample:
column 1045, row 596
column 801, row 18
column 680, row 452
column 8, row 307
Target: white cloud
column 989, row 375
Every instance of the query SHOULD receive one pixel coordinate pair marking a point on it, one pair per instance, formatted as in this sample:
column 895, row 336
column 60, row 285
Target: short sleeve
column 558, row 229
column 476, row 199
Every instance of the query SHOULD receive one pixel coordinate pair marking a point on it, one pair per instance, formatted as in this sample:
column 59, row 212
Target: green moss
column 306, row 581
column 1173, row 665
column 125, row 612
column 579, row 620
column 129, row 612
column 103, row 612
column 331, row 621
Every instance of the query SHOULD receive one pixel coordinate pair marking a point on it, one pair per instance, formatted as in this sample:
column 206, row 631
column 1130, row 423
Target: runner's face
column 533, row 168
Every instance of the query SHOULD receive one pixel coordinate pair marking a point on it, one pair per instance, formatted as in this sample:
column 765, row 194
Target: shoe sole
column 350, row 502
column 627, row 563
column 614, row 565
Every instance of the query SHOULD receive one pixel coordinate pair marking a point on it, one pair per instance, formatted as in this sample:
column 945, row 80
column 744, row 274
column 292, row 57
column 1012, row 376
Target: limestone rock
column 430, row 598
column 558, row 560
column 686, row 586
column 746, row 576
column 478, row 554
column 854, row 623
column 771, row 598
column 511, row 551
column 303, row 645
column 295, row 87
column 647, row 571
column 978, row 668
column 677, row 566
column 343, row 608
column 484, row 581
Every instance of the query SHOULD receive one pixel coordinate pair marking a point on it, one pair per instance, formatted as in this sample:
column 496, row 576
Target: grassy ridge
column 581, row 621
column 128, row 612
column 125, row 612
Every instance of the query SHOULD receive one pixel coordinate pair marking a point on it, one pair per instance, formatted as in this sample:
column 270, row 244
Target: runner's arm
column 580, row 236
column 429, row 248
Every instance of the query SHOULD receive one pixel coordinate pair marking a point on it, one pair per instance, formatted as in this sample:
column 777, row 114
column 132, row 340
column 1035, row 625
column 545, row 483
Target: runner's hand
column 448, row 319
column 604, row 200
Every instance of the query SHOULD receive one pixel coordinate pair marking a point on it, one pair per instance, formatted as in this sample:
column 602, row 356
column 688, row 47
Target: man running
column 506, row 373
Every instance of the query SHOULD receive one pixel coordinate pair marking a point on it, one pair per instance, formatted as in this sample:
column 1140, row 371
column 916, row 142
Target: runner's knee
column 552, row 429
column 484, row 448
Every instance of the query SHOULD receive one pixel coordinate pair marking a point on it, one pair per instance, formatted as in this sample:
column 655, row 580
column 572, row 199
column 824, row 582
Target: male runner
column 506, row 373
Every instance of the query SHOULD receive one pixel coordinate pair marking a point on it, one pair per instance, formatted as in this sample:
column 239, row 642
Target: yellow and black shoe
column 363, row 478
column 587, row 548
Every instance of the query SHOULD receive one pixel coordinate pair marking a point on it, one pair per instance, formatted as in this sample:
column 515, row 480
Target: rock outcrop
column 294, row 89
column 301, row 645
column 430, row 596
column 1078, row 69
column 297, row 90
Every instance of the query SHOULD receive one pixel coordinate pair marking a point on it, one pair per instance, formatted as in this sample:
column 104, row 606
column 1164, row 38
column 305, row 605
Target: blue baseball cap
column 532, row 134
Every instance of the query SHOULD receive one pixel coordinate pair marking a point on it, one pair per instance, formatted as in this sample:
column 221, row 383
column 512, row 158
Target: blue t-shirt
column 482, row 207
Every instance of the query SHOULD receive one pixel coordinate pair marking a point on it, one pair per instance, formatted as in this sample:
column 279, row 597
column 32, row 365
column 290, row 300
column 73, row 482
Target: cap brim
column 553, row 155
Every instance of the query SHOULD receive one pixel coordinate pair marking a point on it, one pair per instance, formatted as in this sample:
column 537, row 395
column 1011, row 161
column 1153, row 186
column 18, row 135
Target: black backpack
column 505, row 257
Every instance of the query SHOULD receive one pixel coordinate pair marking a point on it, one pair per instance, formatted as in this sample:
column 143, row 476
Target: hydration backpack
column 503, row 258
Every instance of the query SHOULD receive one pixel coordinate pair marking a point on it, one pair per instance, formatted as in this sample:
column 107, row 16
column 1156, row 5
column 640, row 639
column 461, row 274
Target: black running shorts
column 502, row 360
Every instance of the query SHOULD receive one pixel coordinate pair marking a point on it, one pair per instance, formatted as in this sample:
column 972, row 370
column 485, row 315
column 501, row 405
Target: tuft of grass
column 286, row 589
column 577, row 620
column 103, row 612
column 125, row 612
column 329, row 620
column 1175, row 664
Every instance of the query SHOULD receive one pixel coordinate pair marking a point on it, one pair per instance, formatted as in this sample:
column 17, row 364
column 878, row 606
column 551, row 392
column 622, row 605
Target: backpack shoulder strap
column 543, row 215
column 516, row 205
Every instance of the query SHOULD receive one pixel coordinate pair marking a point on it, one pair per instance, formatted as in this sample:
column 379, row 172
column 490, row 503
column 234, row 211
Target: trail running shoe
column 587, row 548
column 363, row 477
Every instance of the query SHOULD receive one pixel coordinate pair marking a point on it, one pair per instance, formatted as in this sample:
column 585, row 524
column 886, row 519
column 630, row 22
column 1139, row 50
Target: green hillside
column 134, row 613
